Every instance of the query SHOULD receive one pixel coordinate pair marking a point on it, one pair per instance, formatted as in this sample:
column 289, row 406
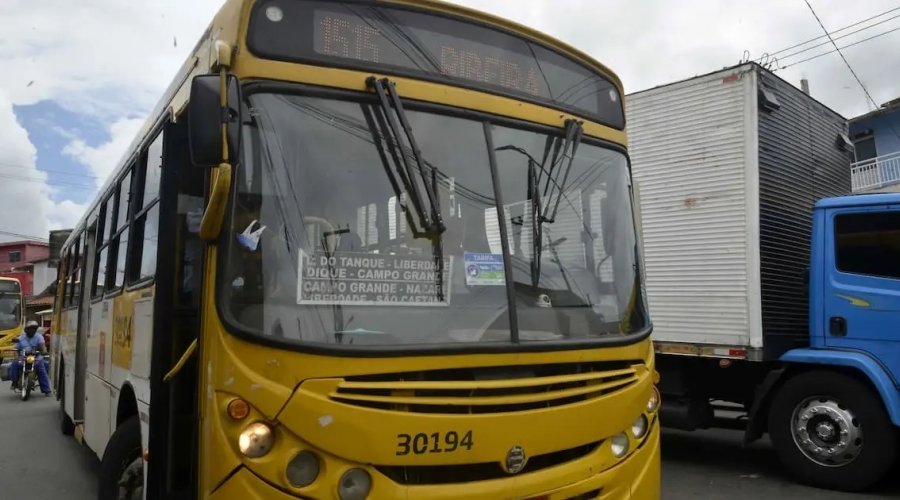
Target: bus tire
column 66, row 426
column 831, row 431
column 123, row 449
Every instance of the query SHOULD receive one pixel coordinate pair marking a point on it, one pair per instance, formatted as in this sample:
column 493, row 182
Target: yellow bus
column 12, row 317
column 398, row 260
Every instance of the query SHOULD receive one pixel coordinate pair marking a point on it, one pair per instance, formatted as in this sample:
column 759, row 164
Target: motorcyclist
column 29, row 340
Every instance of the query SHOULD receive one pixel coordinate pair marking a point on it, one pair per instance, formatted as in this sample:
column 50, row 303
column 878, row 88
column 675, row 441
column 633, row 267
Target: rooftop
column 888, row 107
column 24, row 242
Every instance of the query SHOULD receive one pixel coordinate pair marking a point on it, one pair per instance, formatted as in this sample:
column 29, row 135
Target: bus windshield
column 325, row 246
column 10, row 310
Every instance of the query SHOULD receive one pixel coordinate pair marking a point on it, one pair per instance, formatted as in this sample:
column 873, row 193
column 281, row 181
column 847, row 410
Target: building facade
column 18, row 260
column 876, row 140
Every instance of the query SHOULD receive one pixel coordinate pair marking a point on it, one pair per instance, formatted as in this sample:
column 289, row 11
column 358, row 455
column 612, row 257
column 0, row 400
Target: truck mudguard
column 864, row 363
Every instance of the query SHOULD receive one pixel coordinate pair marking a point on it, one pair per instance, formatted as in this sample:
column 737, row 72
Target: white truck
column 764, row 306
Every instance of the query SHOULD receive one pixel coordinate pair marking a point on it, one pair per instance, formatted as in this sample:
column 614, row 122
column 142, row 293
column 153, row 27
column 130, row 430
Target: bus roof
column 860, row 200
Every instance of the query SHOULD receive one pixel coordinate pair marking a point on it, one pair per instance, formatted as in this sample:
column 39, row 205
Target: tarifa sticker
column 366, row 279
column 484, row 269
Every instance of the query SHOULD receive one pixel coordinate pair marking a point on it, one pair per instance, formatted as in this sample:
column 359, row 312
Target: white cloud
column 23, row 188
column 653, row 42
column 112, row 60
column 102, row 57
column 103, row 159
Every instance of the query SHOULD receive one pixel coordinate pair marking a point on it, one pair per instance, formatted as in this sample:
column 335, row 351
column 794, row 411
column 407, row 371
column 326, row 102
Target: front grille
column 448, row 474
column 487, row 390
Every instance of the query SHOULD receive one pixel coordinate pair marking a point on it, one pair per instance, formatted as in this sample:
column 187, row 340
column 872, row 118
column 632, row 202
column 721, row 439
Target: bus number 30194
column 436, row 442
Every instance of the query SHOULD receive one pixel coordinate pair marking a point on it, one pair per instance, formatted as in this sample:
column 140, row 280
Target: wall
column 29, row 252
column 43, row 276
column 886, row 129
column 5, row 250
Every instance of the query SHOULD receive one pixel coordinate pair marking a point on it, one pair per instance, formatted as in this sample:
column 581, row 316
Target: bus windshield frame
column 242, row 234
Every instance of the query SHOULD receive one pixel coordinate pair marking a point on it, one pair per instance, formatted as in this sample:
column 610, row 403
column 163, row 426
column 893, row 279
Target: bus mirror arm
column 181, row 361
column 211, row 224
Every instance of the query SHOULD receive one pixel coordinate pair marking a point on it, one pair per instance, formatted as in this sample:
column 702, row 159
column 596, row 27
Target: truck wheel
column 831, row 431
column 122, row 467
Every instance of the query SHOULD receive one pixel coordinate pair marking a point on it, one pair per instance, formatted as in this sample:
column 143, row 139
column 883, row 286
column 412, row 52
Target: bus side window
column 123, row 228
column 146, row 218
column 101, row 265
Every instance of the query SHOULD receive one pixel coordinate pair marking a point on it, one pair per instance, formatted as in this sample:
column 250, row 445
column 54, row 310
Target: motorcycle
column 27, row 374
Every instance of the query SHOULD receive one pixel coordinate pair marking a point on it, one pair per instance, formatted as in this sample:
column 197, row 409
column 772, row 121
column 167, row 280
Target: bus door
column 173, row 404
column 83, row 324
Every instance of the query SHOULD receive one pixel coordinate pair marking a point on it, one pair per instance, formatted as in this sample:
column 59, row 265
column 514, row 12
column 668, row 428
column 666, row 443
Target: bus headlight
column 639, row 427
column 619, row 445
column 303, row 469
column 355, row 485
column 653, row 402
column 256, row 440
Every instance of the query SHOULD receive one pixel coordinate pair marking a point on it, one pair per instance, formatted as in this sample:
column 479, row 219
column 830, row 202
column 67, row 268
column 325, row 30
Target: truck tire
column 122, row 455
column 831, row 431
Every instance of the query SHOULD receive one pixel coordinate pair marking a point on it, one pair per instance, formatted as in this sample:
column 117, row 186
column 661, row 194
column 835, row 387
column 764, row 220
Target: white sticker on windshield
column 365, row 279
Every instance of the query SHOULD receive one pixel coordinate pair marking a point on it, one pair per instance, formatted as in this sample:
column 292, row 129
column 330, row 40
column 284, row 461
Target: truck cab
column 837, row 408
column 855, row 297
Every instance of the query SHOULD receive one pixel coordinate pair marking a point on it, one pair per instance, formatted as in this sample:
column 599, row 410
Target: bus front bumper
column 635, row 478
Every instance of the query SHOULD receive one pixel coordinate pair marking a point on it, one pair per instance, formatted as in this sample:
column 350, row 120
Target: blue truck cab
column 834, row 406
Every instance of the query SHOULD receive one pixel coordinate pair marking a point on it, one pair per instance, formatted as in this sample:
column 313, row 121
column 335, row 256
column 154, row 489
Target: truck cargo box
column 729, row 166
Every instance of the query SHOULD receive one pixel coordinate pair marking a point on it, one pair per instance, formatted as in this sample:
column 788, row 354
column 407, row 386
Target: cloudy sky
column 78, row 78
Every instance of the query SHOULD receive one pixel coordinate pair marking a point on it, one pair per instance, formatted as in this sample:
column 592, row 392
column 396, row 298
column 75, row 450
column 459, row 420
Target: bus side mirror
column 206, row 116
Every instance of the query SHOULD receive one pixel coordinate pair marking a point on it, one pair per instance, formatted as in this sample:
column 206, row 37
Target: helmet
column 31, row 327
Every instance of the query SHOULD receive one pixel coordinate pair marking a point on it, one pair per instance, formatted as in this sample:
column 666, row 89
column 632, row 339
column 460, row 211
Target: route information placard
column 365, row 279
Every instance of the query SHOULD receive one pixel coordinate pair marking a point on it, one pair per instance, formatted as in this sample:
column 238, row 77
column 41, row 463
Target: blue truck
column 774, row 295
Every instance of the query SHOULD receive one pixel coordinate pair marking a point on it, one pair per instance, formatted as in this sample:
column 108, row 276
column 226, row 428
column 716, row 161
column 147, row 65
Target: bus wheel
column 831, row 431
column 122, row 467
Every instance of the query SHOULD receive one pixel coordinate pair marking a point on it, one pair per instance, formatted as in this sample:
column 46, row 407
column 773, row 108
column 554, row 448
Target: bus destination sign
column 381, row 38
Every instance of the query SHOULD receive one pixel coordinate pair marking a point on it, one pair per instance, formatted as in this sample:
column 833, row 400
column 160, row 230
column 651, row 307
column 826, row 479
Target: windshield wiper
column 563, row 155
column 429, row 217
column 431, row 221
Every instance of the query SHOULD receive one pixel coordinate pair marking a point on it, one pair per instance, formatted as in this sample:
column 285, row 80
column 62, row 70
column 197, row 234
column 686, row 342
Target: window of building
column 869, row 244
column 15, row 256
column 865, row 148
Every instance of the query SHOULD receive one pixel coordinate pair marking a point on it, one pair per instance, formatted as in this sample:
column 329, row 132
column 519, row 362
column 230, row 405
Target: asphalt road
column 713, row 465
column 37, row 462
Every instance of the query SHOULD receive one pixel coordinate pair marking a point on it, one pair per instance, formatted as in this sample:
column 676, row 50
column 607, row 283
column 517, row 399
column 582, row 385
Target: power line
column 23, row 236
column 57, row 172
column 4, row 164
column 46, row 182
column 838, row 49
column 833, row 32
column 807, row 49
column 844, row 47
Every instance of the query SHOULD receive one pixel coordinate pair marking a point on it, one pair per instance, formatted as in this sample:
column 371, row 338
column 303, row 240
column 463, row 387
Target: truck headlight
column 256, row 440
